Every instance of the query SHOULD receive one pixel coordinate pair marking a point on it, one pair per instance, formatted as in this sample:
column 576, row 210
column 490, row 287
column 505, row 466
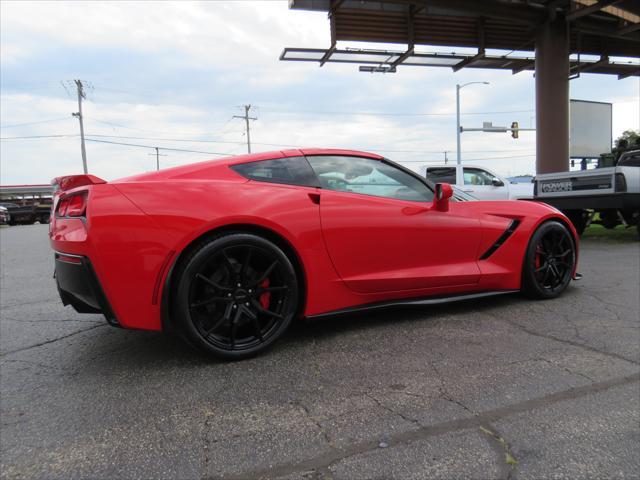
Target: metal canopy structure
column 604, row 28
column 559, row 39
column 386, row 61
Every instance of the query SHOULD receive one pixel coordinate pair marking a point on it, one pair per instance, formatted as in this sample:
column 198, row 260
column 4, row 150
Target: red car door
column 384, row 236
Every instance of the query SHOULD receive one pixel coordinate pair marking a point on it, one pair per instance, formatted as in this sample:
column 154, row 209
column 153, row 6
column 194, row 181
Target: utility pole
column 158, row 155
column 81, row 95
column 246, row 119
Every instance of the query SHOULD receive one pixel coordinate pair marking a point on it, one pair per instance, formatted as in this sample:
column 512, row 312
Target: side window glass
column 290, row 171
column 442, row 175
column 475, row 176
column 368, row 177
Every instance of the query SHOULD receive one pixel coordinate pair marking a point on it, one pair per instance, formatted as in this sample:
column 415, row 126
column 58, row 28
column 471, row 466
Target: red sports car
column 229, row 252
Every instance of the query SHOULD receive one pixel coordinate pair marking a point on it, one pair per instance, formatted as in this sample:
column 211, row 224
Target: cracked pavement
column 500, row 388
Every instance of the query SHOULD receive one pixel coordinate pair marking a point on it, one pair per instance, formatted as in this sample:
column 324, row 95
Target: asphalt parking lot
column 498, row 388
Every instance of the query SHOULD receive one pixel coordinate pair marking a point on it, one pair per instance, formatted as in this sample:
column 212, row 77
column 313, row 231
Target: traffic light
column 514, row 129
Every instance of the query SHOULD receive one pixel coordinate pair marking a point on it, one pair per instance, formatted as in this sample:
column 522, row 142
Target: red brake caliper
column 265, row 298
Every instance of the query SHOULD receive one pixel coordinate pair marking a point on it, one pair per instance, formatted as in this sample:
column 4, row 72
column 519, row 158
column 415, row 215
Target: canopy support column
column 552, row 97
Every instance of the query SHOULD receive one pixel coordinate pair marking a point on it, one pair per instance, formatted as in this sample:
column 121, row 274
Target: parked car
column 288, row 234
column 4, row 215
column 612, row 192
column 27, row 214
column 481, row 182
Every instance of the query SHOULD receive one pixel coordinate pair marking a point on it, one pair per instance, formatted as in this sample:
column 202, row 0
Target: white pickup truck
column 613, row 193
column 480, row 182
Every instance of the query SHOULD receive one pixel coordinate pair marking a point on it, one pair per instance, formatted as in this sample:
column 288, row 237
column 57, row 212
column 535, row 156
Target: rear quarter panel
column 184, row 210
column 124, row 245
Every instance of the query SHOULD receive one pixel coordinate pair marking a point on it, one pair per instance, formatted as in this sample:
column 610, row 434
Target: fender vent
column 501, row 239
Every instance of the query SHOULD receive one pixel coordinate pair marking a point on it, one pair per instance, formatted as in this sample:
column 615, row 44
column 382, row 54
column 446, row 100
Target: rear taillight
column 74, row 205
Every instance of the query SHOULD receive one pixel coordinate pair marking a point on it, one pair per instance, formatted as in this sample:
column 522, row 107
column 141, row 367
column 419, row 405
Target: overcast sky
column 163, row 72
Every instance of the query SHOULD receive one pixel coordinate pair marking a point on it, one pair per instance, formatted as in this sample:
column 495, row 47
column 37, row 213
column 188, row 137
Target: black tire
column 549, row 261
column 579, row 219
column 44, row 219
column 609, row 219
column 236, row 295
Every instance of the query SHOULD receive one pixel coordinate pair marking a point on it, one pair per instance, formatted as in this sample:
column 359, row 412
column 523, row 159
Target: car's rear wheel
column 236, row 295
column 549, row 261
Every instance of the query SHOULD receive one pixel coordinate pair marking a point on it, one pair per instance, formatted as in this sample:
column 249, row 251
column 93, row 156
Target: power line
column 469, row 159
column 118, row 125
column 292, row 146
column 392, row 114
column 153, row 147
column 90, row 138
column 167, row 139
column 40, row 136
column 34, row 123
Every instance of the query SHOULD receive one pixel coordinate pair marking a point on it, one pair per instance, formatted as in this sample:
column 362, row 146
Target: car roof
column 218, row 165
column 453, row 165
column 254, row 157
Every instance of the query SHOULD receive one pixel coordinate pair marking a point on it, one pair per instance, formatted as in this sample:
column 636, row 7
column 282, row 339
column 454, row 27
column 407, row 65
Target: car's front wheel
column 236, row 295
column 549, row 261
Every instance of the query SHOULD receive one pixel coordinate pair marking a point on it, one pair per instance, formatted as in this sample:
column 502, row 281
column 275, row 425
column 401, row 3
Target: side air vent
column 503, row 238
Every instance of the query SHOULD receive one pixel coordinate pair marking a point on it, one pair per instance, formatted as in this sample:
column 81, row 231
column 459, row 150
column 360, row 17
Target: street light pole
column 459, row 176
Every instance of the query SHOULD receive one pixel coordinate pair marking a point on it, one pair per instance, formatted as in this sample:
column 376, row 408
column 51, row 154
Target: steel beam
column 552, row 97
column 468, row 61
column 513, row 12
column 523, row 67
column 587, row 67
column 480, row 55
column 634, row 27
column 581, row 12
column 402, row 58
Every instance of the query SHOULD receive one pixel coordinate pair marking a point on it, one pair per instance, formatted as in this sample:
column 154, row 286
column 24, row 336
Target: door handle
column 314, row 197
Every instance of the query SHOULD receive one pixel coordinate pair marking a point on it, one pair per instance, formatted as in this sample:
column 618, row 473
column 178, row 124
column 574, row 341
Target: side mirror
column 443, row 193
column 496, row 182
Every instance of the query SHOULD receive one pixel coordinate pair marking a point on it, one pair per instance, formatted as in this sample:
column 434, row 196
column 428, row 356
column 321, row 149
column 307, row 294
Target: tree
column 629, row 140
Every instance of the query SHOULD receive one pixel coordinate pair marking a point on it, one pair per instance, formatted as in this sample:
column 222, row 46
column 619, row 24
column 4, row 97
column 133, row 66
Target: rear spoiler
column 60, row 184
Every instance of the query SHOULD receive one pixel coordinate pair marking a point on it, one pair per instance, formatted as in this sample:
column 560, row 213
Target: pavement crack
column 33, row 302
column 392, row 411
column 42, row 365
column 555, row 364
column 444, row 393
column 206, row 447
column 507, row 461
column 53, row 340
column 315, row 421
column 337, row 455
column 567, row 342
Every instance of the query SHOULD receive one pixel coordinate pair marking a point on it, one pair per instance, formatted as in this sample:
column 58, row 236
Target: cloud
column 180, row 70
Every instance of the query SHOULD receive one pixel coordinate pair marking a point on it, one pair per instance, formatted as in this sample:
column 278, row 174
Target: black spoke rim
column 553, row 260
column 240, row 296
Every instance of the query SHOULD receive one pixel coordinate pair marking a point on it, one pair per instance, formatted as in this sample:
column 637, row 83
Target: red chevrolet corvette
column 229, row 252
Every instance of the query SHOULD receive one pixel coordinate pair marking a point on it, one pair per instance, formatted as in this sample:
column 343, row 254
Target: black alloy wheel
column 549, row 261
column 237, row 294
